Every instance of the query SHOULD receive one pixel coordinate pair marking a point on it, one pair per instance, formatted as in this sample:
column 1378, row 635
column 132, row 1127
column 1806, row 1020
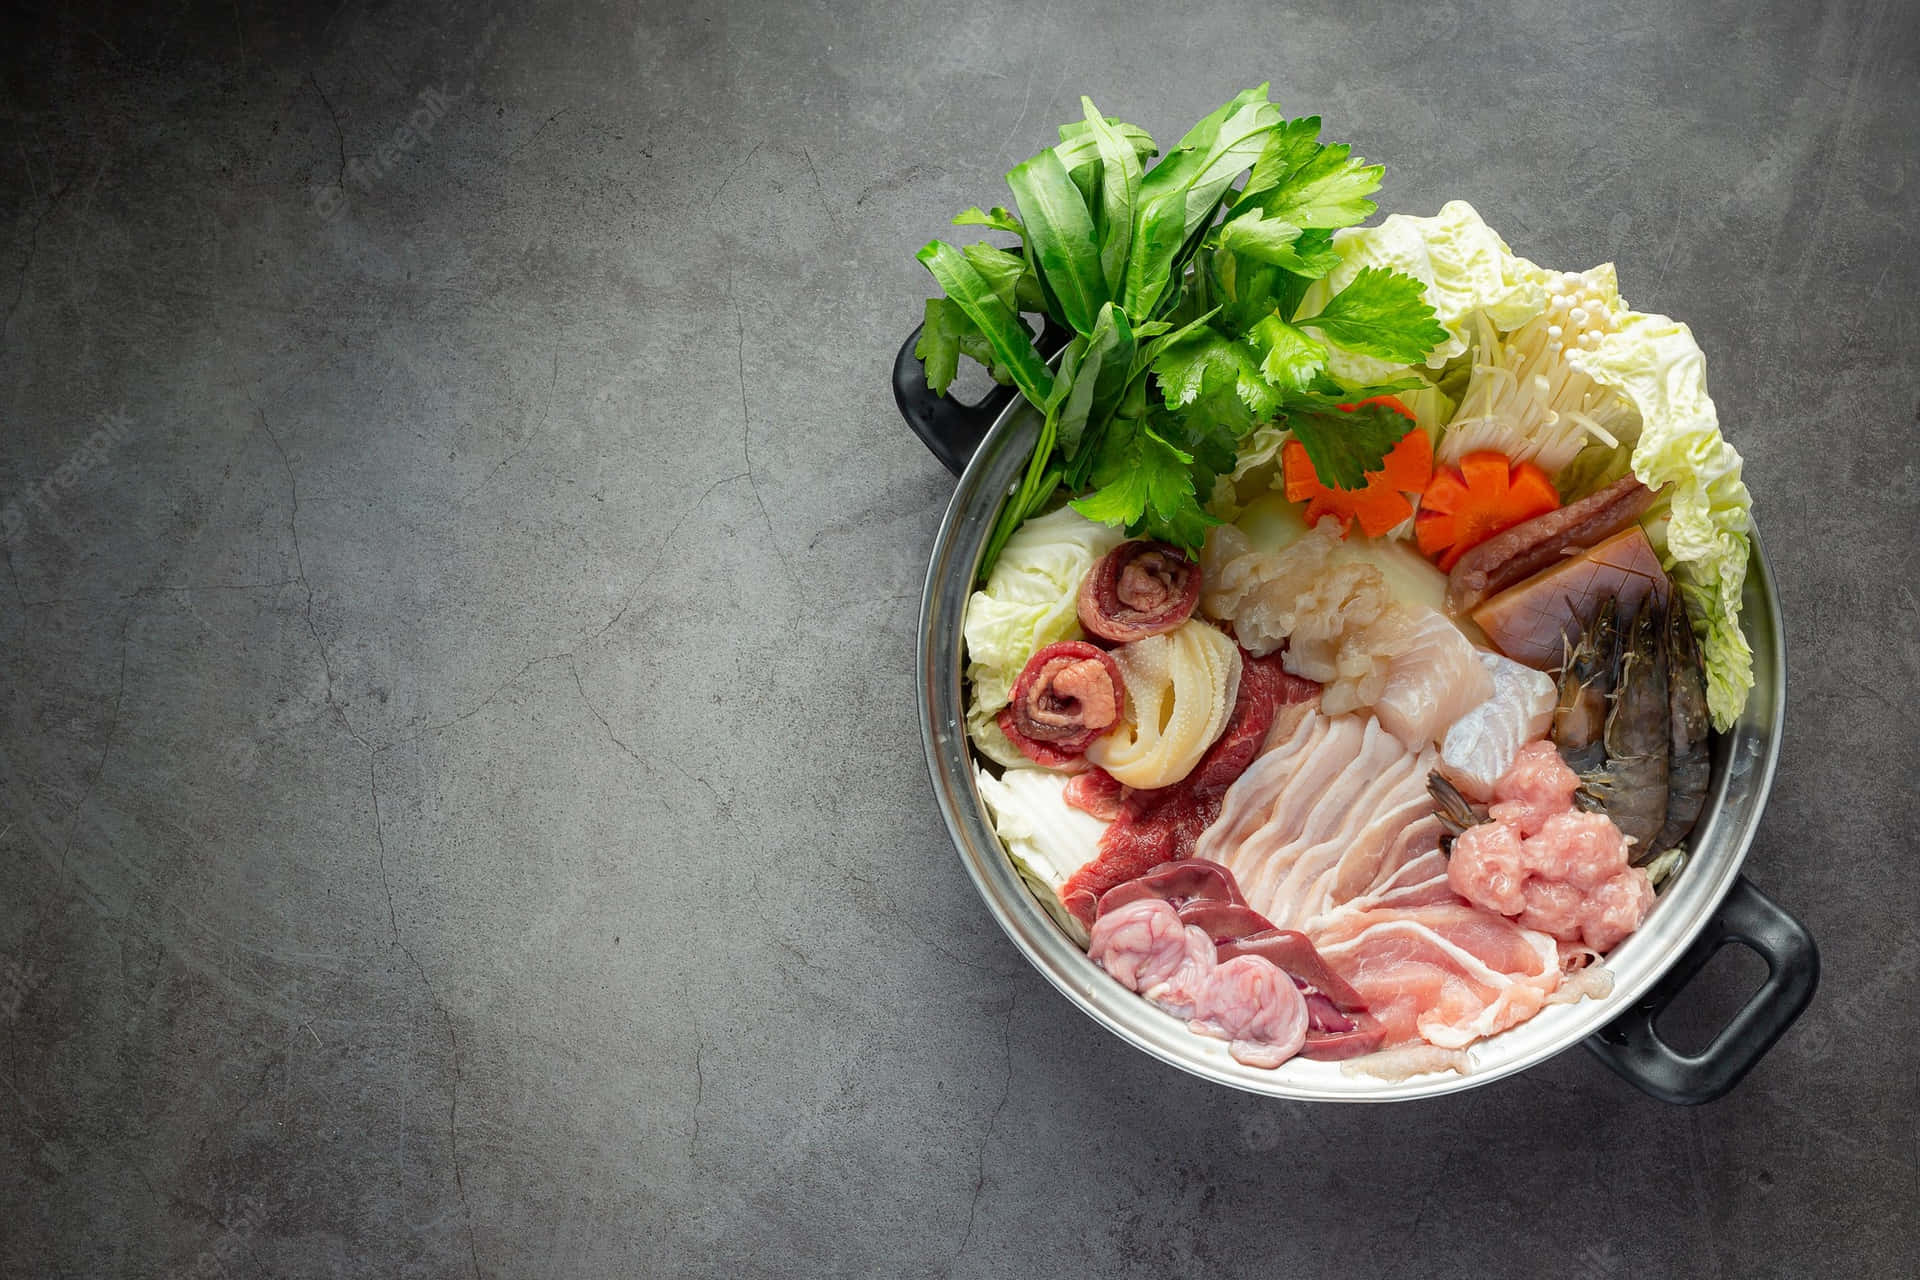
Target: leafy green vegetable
column 1001, row 326
column 997, row 217
column 1097, row 373
column 1310, row 184
column 1079, row 147
column 1007, row 275
column 1289, row 359
column 1119, row 189
column 938, row 349
column 1182, row 193
column 1344, row 445
column 1062, row 244
column 1655, row 363
column 1209, row 361
column 1382, row 314
column 1187, row 329
column 1259, row 238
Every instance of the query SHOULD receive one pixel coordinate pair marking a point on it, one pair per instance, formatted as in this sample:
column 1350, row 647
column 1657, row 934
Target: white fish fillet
column 1483, row 743
column 1434, row 679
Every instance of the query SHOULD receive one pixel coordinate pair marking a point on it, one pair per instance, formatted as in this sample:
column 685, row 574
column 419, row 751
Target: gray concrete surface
column 463, row 813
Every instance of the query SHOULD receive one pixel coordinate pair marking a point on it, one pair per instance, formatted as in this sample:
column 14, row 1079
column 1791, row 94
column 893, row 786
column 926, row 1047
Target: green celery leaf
column 1146, row 485
column 1288, row 149
column 1187, row 367
column 1286, row 288
column 939, row 345
column 1186, row 526
column 1143, row 471
column 1344, row 445
column 1278, row 243
column 1212, row 439
column 1062, row 243
column 1000, row 219
column 1300, row 181
column 998, row 323
column 1288, row 357
column 1383, row 314
column 1208, row 361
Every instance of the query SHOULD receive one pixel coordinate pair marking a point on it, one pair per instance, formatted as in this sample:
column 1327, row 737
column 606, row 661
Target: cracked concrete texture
column 461, row 804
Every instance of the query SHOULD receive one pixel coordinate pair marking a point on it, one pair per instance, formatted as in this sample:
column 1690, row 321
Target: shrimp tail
column 1455, row 811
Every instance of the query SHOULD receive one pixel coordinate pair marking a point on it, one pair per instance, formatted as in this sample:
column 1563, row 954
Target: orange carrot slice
column 1381, row 504
column 1462, row 507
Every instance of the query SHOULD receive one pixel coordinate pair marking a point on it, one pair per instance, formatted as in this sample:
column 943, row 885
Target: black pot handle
column 951, row 430
column 1631, row 1046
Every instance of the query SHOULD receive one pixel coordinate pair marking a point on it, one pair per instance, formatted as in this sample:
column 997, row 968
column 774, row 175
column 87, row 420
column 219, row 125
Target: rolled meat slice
column 1067, row 695
column 1533, row 545
column 1139, row 589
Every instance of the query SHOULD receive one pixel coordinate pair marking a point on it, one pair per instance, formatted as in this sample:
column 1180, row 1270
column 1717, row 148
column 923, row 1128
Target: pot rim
column 1744, row 760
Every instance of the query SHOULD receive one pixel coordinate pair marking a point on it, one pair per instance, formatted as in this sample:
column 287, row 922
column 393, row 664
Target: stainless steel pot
column 1707, row 906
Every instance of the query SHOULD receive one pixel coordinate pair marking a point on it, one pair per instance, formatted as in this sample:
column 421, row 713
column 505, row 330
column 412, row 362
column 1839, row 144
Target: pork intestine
column 1180, row 692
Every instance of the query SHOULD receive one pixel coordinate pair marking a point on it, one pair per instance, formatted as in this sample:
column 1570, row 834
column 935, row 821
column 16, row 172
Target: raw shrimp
column 1688, row 767
column 1632, row 787
column 1586, row 683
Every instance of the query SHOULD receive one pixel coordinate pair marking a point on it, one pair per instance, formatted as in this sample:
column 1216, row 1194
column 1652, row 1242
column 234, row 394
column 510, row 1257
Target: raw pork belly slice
column 1332, row 832
column 1441, row 971
column 1483, row 743
column 1332, row 809
column 1433, row 680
